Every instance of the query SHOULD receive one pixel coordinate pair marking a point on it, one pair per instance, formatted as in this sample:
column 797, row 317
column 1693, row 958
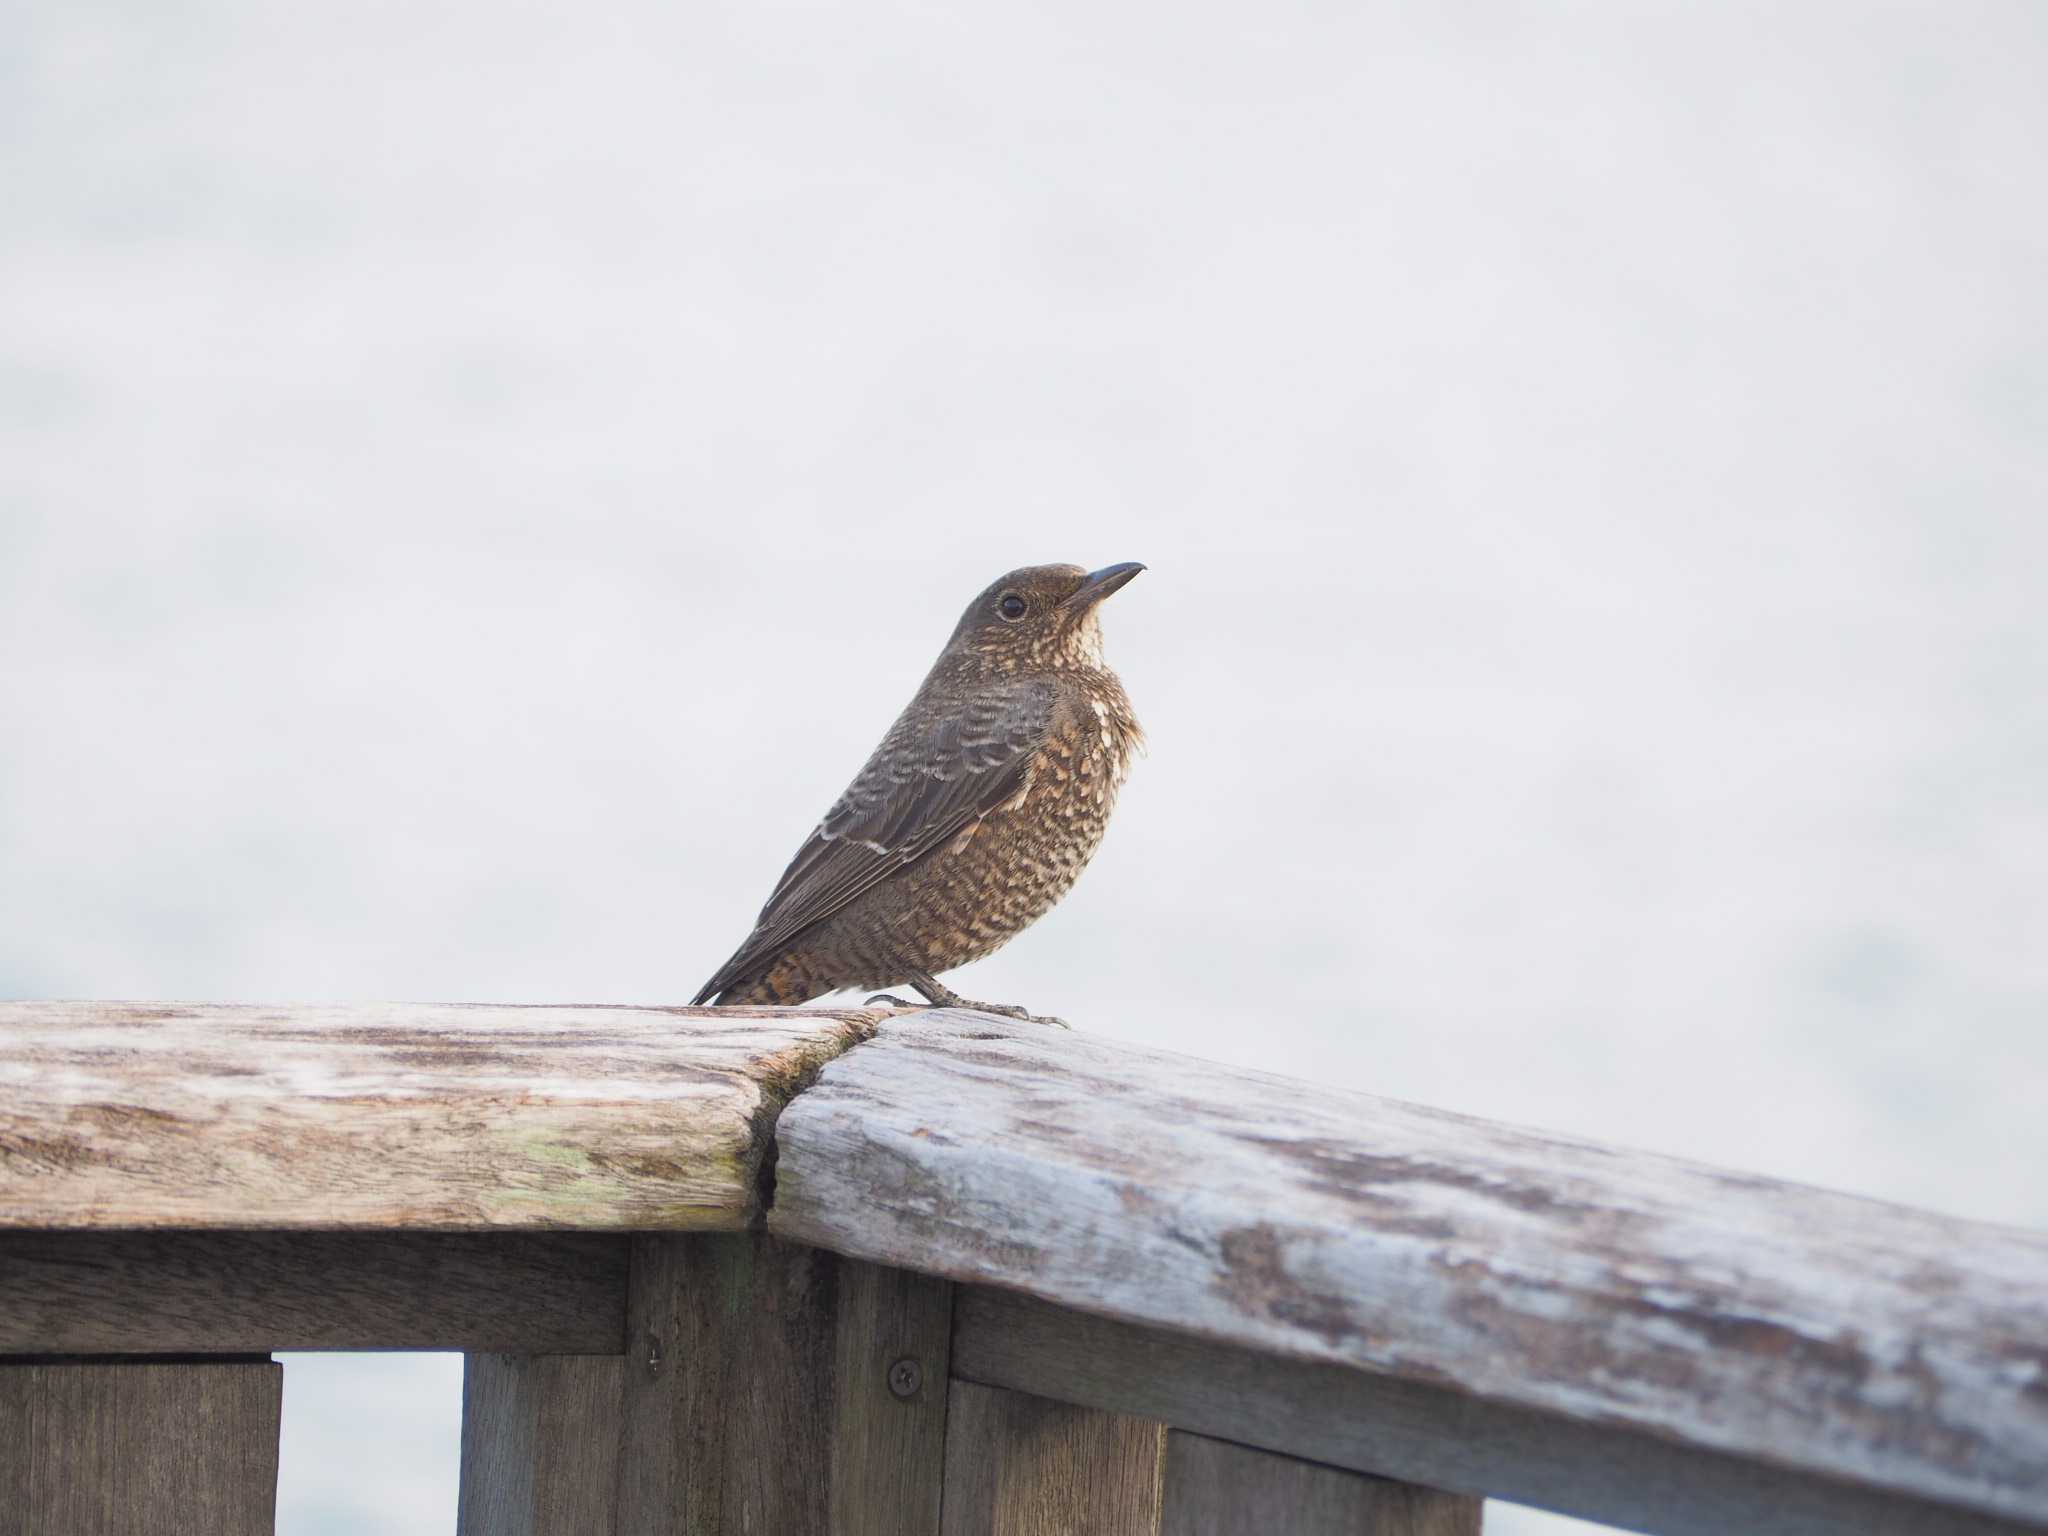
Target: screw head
column 905, row 1377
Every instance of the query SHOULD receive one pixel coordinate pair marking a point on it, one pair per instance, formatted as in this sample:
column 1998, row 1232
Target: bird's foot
column 942, row 996
column 883, row 999
column 1009, row 1012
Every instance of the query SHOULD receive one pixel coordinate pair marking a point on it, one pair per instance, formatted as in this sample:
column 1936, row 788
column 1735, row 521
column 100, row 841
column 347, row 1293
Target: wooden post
column 1018, row 1465
column 540, row 1445
column 1214, row 1488
column 771, row 1387
column 112, row 1450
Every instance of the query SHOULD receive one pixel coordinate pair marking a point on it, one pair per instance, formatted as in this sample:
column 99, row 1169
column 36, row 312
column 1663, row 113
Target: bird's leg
column 942, row 996
column 939, row 995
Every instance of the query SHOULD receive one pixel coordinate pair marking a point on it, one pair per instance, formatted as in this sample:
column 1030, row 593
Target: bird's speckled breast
column 1008, row 869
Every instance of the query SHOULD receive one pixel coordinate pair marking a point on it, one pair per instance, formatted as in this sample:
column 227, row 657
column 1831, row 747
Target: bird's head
column 1042, row 616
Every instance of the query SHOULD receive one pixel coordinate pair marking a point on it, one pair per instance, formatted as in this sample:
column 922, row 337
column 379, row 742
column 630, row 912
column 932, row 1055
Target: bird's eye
column 1011, row 607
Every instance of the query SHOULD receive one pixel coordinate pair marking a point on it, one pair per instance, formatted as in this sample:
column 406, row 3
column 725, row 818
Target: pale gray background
column 475, row 480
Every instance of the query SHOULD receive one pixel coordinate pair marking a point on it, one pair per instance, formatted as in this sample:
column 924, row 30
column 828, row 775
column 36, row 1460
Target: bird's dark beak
column 1099, row 584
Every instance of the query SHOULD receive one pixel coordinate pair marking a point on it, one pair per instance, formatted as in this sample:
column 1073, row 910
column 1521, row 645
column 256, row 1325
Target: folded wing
column 925, row 783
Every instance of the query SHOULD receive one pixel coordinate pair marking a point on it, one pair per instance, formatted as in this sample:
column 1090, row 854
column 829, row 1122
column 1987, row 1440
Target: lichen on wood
column 400, row 1116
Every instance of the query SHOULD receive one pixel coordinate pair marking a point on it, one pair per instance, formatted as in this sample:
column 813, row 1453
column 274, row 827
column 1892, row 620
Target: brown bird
column 975, row 814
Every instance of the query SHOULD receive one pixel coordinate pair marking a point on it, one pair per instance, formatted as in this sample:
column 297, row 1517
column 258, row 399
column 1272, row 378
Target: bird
column 975, row 814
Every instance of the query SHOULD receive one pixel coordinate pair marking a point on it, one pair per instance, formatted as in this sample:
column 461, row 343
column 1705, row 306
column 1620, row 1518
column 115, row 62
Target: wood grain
column 758, row 1399
column 1214, row 1488
column 1845, row 1337
column 1419, row 1433
column 540, row 1445
column 105, row 1293
column 119, row 1450
column 1018, row 1465
column 396, row 1115
column 888, row 1449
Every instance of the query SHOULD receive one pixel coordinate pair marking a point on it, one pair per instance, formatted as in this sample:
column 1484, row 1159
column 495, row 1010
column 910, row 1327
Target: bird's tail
column 784, row 984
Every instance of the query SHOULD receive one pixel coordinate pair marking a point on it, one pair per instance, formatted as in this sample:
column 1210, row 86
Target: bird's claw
column 1008, row 1011
column 1003, row 1010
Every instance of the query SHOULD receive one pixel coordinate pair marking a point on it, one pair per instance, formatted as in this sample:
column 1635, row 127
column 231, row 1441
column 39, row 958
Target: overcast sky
column 476, row 480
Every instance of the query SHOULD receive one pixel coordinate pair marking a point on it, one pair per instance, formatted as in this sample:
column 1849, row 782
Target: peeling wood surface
column 213, row 1293
column 423, row 1117
column 1817, row 1332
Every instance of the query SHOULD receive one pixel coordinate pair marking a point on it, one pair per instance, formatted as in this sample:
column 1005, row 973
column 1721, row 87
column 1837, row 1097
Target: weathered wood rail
column 855, row 1272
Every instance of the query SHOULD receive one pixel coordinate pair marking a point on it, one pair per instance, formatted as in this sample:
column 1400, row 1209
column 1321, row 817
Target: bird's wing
column 926, row 781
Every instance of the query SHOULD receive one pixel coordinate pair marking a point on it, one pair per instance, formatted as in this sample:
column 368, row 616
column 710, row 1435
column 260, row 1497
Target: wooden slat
column 118, row 1450
column 1214, row 1488
column 1018, row 1465
column 1848, row 1338
column 395, row 1115
column 101, row 1293
column 759, row 1397
column 888, row 1431
column 1419, row 1433
column 540, row 1445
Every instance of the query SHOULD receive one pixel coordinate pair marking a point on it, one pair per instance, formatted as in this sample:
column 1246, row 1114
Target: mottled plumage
column 975, row 814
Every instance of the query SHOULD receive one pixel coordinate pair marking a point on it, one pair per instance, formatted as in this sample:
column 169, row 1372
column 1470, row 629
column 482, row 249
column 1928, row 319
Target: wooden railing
column 723, row 1271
